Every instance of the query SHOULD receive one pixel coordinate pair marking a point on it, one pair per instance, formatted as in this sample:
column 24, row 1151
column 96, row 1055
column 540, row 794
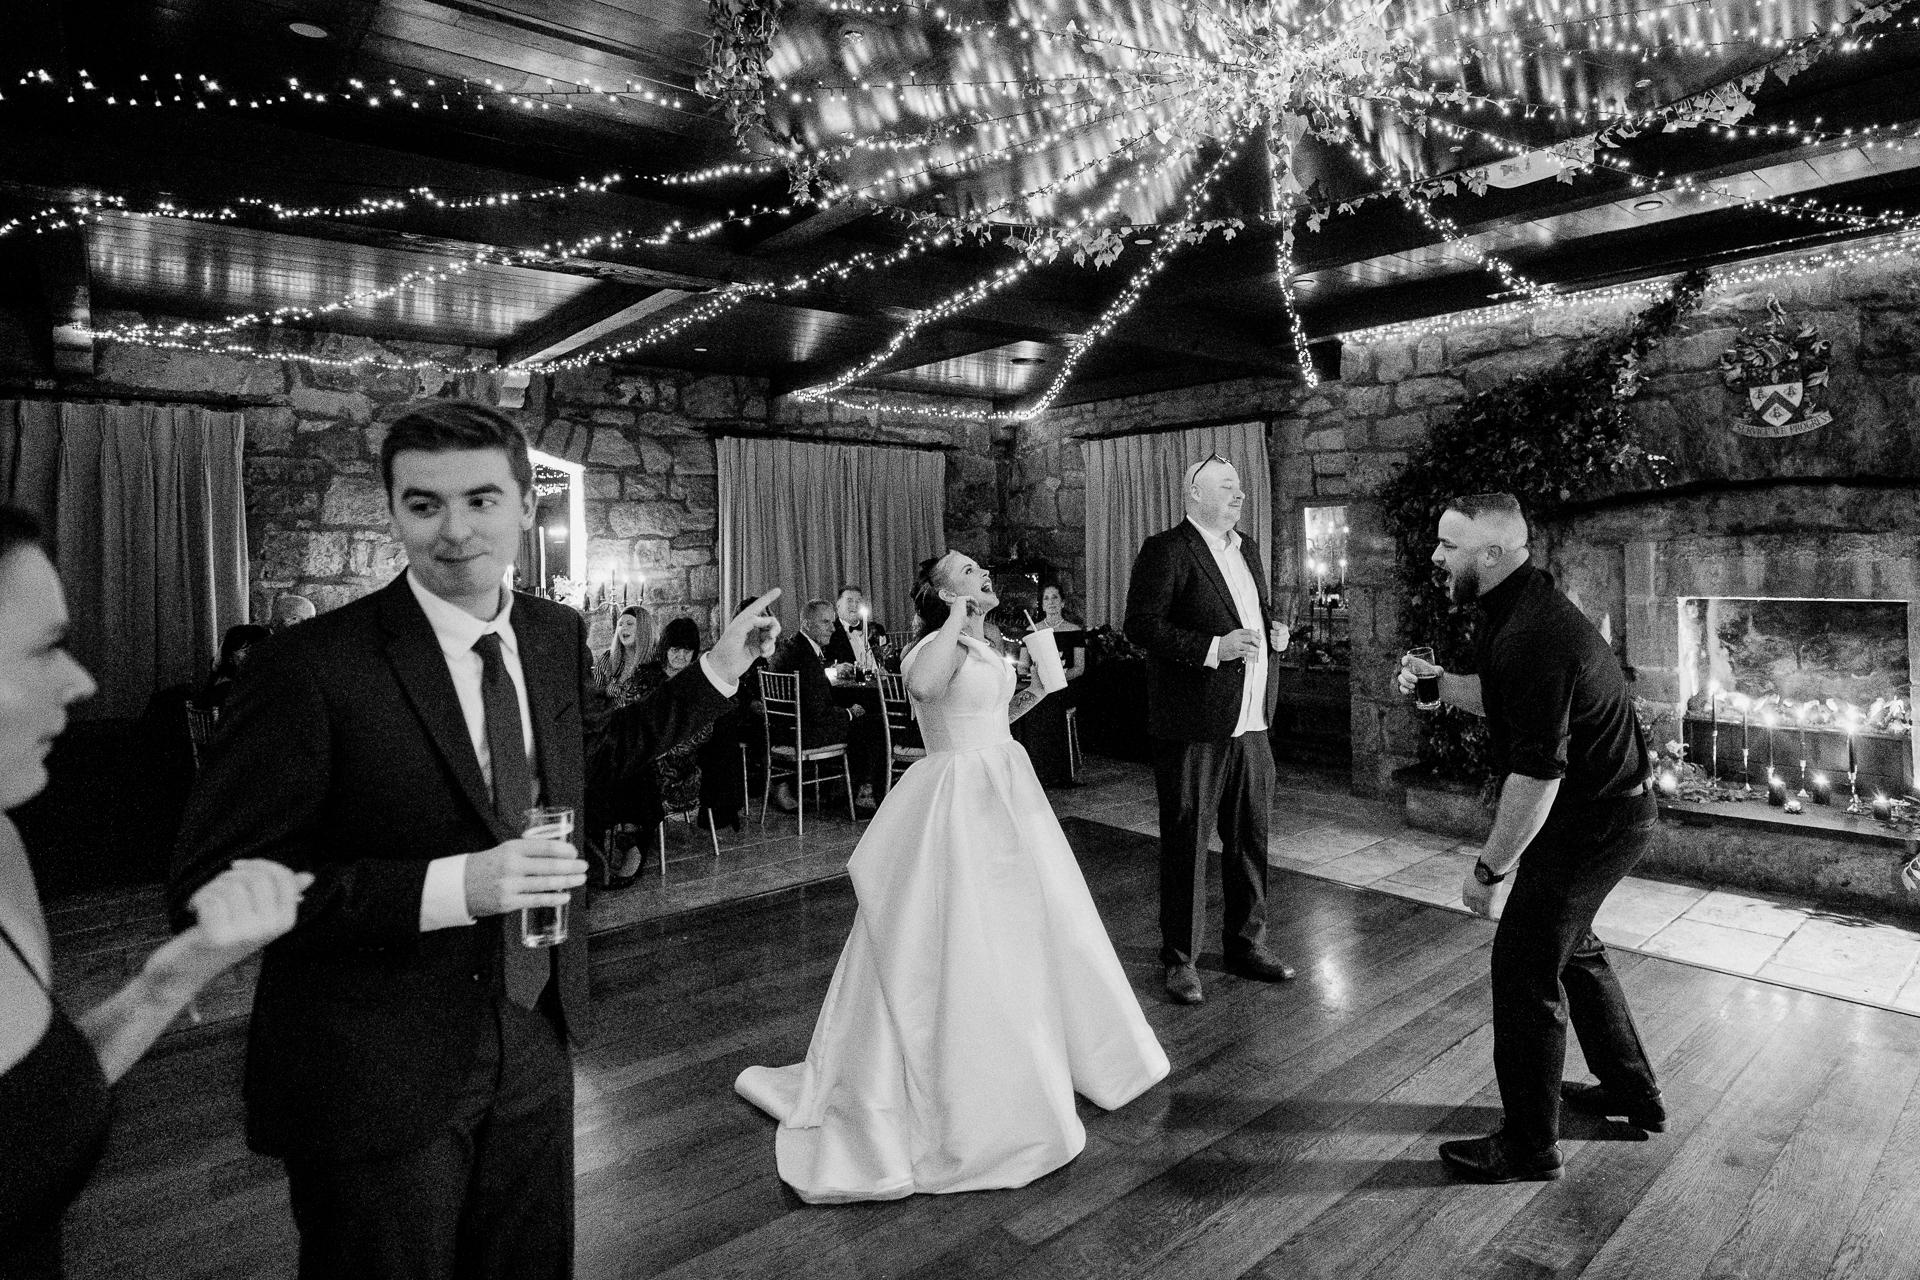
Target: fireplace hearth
column 1798, row 689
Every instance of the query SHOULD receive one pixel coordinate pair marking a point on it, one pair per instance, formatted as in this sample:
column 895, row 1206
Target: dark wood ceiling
column 1216, row 311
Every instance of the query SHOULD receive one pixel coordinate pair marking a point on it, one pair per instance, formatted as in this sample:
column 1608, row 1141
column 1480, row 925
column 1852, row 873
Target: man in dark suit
column 823, row 722
column 1197, row 603
column 855, row 634
column 407, row 1057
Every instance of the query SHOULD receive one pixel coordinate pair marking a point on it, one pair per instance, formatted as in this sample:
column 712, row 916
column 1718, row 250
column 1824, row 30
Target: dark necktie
column 527, row 968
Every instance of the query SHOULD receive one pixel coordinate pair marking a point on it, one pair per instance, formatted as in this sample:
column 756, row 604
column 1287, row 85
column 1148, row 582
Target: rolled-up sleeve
column 1536, row 677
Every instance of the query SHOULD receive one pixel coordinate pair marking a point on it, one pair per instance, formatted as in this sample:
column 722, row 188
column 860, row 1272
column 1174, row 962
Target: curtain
column 1133, row 492
column 810, row 518
column 144, row 513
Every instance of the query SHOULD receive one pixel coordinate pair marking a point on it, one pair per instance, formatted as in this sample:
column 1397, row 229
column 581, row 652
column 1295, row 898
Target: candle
column 1882, row 808
column 1802, row 717
column 1822, row 789
column 1746, row 772
column 1776, row 790
column 1713, row 717
column 1853, row 765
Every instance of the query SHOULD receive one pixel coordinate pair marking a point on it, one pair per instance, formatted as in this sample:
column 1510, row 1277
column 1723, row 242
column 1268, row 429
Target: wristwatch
column 1484, row 873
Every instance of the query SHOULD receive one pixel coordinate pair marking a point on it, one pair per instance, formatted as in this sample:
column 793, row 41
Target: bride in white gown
column 978, row 991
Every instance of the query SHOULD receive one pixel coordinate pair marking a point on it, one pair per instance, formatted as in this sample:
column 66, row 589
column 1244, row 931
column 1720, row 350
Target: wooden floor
column 1294, row 1139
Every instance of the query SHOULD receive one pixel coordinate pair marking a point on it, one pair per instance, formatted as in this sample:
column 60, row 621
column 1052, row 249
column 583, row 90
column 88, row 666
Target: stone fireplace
column 1800, row 599
column 1718, row 625
column 1815, row 687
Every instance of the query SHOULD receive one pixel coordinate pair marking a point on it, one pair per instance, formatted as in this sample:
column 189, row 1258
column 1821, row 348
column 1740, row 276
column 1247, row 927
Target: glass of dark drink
column 1426, row 687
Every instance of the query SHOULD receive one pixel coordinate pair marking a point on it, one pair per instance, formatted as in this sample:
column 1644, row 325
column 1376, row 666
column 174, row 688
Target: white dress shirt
column 1246, row 602
column 862, row 655
column 443, row 901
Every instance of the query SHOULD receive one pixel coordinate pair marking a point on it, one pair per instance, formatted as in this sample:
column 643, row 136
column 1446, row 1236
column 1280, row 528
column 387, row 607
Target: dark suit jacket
column 343, row 752
column 1177, row 602
column 822, row 720
column 840, row 648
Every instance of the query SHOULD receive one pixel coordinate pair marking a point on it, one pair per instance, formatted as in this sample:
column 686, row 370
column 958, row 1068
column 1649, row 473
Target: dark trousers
column 1548, row 967
column 489, row 1197
column 1199, row 783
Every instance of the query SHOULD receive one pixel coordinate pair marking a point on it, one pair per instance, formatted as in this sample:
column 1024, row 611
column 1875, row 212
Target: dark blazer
column 1177, row 602
column 840, row 648
column 822, row 720
column 343, row 752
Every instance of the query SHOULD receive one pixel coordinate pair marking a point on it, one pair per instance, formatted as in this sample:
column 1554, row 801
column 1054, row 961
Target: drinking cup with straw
column 1045, row 652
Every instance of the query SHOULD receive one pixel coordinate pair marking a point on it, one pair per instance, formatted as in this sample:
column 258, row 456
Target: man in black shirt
column 1574, row 800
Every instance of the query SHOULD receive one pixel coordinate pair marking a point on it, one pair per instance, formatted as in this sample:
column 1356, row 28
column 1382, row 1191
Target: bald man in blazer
column 1197, row 603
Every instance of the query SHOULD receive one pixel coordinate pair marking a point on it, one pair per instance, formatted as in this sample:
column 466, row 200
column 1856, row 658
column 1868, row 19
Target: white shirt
column 862, row 657
column 443, row 901
column 1246, row 602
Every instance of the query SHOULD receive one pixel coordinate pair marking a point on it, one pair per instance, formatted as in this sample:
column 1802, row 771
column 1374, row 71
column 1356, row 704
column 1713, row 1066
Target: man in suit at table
column 407, row 1057
column 823, row 721
column 1197, row 603
column 855, row 637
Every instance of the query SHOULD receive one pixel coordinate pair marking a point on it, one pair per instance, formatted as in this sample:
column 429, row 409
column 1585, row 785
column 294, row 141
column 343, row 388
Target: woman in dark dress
column 625, row 654
column 55, row 1070
column 676, row 774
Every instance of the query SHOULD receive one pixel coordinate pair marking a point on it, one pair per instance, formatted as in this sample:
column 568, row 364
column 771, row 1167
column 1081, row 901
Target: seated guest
column 55, row 1070
column 676, row 773
column 625, row 654
column 1053, row 613
column 823, row 722
column 234, row 648
column 856, row 639
column 290, row 610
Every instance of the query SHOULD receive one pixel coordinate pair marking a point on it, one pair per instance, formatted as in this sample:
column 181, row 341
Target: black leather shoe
column 1597, row 1100
column 1488, row 1160
column 1183, row 984
column 1261, row 966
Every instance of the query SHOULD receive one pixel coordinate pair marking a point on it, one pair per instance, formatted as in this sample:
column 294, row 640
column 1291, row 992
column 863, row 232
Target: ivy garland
column 737, row 53
column 1547, row 438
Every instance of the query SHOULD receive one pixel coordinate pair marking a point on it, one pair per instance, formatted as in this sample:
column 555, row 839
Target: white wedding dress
column 978, row 991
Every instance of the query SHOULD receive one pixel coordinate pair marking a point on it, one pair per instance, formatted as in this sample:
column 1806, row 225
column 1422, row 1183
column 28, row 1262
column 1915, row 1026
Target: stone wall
column 317, row 518
column 1341, row 441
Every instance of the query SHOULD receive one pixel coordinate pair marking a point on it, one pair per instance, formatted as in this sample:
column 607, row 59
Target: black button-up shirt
column 1556, row 701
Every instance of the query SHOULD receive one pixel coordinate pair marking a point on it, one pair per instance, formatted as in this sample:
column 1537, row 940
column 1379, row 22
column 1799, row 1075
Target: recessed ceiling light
column 1143, row 240
column 1647, row 206
column 699, row 348
column 308, row 29
column 1641, row 84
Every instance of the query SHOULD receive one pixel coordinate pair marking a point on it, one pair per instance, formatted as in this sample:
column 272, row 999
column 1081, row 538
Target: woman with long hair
column 978, row 991
column 55, row 1070
column 677, row 773
column 625, row 654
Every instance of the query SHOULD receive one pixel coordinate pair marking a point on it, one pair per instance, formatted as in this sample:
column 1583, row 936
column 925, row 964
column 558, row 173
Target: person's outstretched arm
column 235, row 914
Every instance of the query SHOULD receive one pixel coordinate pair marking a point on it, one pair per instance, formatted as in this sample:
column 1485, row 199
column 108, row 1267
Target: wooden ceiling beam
column 601, row 312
